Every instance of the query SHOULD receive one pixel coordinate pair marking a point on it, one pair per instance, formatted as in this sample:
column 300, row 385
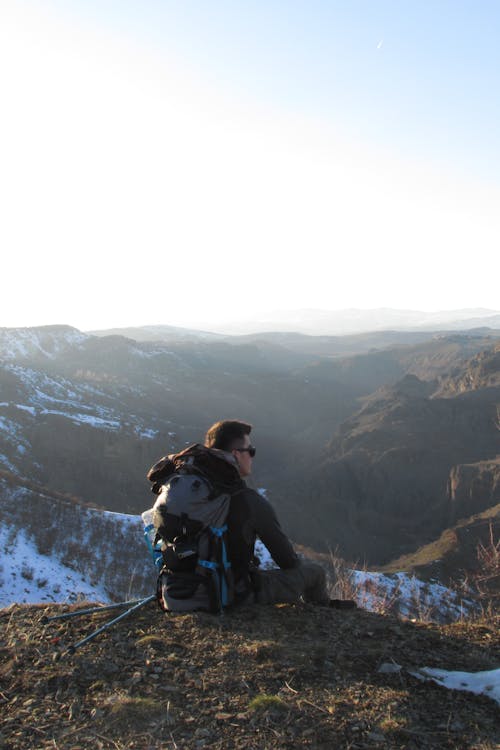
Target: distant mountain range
column 371, row 444
column 324, row 323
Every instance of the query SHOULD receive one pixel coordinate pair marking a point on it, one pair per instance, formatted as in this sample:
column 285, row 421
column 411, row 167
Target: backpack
column 194, row 491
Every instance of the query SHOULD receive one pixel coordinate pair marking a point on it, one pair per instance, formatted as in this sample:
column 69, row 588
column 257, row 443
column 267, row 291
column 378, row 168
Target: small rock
column 375, row 737
column 389, row 668
column 454, row 726
column 202, row 732
column 110, row 668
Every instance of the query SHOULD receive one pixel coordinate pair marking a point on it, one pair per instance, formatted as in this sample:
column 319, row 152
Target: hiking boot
column 342, row 604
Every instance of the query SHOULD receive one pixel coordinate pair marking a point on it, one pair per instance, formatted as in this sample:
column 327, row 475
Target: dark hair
column 223, row 434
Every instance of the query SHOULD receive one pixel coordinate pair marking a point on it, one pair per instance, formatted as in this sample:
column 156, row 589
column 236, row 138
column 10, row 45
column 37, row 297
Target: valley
column 373, row 453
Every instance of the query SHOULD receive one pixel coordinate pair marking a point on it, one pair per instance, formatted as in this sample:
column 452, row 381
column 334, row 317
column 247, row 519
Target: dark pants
column 305, row 583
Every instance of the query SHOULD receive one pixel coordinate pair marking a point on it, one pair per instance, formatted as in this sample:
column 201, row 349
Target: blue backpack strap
column 210, row 564
column 225, row 581
column 219, row 566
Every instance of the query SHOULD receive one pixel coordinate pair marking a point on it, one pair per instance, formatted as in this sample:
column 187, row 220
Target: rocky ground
column 257, row 678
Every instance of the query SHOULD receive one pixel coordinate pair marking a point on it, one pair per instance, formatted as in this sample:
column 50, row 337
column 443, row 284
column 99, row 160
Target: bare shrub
column 342, row 585
column 487, row 579
column 27, row 572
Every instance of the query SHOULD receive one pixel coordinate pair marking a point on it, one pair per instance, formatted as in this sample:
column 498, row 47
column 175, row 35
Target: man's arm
column 269, row 530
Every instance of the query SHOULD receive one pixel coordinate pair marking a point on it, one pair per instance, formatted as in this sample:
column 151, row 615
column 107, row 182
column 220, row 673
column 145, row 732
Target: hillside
column 455, row 553
column 56, row 549
column 409, row 464
column 380, row 447
column 260, row 677
column 94, row 413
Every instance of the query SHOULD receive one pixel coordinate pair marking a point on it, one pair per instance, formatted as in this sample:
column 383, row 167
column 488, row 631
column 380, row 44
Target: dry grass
column 454, row 604
column 487, row 580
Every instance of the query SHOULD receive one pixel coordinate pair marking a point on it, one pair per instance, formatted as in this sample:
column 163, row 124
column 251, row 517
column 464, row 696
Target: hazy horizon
column 309, row 320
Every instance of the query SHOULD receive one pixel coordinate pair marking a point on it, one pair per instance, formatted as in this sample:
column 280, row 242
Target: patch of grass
column 97, row 686
column 136, row 712
column 264, row 651
column 265, row 702
column 392, row 723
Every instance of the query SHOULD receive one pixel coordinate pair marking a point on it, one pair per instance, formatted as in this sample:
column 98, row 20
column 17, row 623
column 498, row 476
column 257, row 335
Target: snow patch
column 146, row 433
column 480, row 683
column 23, row 407
column 90, row 419
column 409, row 596
column 6, row 463
column 28, row 577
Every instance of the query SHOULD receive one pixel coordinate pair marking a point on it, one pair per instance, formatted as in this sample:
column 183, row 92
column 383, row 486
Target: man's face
column 243, row 457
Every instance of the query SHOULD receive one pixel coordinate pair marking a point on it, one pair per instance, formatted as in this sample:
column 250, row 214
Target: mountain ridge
column 313, row 322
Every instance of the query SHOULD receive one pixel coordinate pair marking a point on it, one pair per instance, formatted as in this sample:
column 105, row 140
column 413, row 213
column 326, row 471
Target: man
column 251, row 516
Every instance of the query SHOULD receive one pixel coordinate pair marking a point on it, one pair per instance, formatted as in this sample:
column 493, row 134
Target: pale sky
column 178, row 162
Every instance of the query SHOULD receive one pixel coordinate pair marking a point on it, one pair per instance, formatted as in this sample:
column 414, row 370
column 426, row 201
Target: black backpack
column 194, row 490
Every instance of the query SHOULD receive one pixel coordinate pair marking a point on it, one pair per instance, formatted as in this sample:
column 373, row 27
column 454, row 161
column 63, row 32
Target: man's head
column 233, row 436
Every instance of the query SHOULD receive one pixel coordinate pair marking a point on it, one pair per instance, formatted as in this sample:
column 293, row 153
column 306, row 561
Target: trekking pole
column 141, row 603
column 90, row 611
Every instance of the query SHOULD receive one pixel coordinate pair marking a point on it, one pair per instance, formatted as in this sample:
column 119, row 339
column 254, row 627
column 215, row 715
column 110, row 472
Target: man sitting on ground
column 251, row 516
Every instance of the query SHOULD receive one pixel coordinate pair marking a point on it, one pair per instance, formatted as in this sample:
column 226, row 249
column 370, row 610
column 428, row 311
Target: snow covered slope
column 26, row 577
column 46, row 342
column 55, row 551
column 407, row 596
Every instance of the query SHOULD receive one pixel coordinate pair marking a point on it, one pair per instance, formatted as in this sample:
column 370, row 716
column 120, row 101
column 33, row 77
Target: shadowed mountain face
column 409, row 464
column 474, row 486
column 366, row 452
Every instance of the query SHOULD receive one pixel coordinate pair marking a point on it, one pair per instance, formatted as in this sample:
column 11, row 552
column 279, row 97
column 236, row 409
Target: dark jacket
column 251, row 516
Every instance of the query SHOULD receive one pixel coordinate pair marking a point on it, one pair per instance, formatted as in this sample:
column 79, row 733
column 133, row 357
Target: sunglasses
column 250, row 450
